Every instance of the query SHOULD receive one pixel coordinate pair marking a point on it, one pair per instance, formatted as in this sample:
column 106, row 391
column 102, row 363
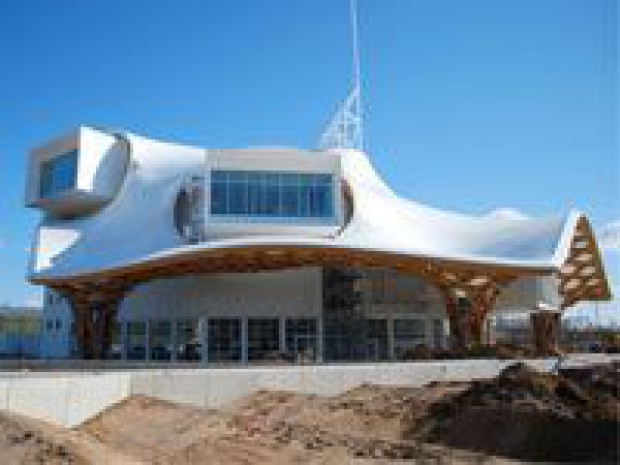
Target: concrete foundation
column 66, row 399
column 70, row 398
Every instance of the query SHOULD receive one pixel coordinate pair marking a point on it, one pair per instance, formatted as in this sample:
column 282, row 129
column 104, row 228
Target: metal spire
column 355, row 43
column 345, row 128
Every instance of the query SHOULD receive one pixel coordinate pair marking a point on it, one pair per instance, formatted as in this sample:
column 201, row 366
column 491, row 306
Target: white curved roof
column 137, row 226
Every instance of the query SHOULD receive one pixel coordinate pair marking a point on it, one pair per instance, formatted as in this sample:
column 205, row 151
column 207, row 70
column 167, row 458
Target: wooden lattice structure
column 95, row 298
column 582, row 276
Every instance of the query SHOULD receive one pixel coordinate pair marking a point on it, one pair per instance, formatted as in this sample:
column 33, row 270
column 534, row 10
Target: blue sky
column 470, row 105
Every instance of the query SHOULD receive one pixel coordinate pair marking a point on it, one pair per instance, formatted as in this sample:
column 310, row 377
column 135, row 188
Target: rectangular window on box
column 58, row 174
column 304, row 197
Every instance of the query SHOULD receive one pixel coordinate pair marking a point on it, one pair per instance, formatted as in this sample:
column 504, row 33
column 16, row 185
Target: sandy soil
column 26, row 441
column 521, row 414
column 525, row 414
column 364, row 425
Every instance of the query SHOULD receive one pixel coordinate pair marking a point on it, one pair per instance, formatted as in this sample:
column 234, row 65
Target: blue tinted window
column 272, row 178
column 289, row 179
column 313, row 201
column 272, row 195
column 255, row 193
column 237, row 199
column 218, row 176
column 218, row 198
column 237, row 176
column 323, row 178
column 325, row 200
column 58, row 174
column 272, row 198
column 305, row 196
column 290, row 200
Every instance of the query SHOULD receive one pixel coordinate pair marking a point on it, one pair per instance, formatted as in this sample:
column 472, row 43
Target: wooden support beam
column 467, row 306
column 546, row 332
column 459, row 321
column 478, row 284
column 94, row 312
column 482, row 304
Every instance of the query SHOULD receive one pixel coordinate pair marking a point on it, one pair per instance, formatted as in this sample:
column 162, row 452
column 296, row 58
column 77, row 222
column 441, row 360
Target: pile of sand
column 530, row 415
column 277, row 427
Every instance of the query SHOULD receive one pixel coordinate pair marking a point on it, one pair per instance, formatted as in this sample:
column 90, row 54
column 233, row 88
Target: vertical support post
column 467, row 317
column 390, row 330
column 428, row 330
column 459, row 337
column 244, row 340
column 482, row 304
column 124, row 339
column 71, row 335
column 319, row 339
column 94, row 314
column 147, row 340
column 108, row 312
column 203, row 337
column 546, row 332
column 174, row 340
column 490, row 331
column 445, row 333
column 81, row 331
column 282, row 334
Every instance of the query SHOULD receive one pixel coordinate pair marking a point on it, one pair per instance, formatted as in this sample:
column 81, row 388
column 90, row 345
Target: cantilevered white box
column 77, row 173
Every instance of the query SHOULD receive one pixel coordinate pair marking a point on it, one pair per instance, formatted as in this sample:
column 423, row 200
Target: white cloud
column 609, row 236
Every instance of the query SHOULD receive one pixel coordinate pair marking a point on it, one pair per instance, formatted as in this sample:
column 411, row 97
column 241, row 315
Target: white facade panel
column 381, row 221
column 291, row 293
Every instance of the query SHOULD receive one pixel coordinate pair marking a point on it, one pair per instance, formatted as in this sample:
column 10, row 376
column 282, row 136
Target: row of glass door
column 223, row 338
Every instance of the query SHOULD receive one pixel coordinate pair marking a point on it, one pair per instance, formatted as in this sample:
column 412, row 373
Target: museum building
column 152, row 250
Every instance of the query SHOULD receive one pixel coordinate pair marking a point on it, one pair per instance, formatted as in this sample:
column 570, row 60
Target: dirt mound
column 151, row 430
column 280, row 428
column 522, row 414
column 23, row 442
column 363, row 423
column 530, row 415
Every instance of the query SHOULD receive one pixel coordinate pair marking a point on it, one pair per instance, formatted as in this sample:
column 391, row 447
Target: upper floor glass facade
column 58, row 174
column 272, row 195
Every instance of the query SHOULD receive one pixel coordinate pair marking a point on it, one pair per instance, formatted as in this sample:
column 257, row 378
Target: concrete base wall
column 218, row 387
column 70, row 398
column 66, row 399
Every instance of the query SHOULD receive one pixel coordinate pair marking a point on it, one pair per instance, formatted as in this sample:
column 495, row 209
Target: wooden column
column 468, row 312
column 106, row 317
column 482, row 304
column 458, row 317
column 94, row 313
column 546, row 332
column 83, row 334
